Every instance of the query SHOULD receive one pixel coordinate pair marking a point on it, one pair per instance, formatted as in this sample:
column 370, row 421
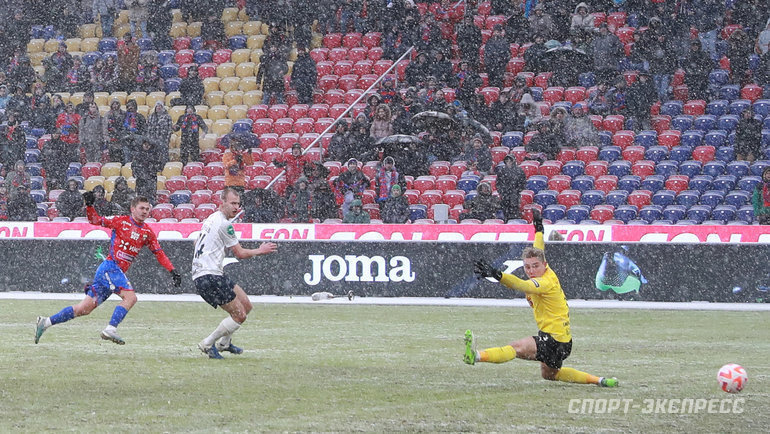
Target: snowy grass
column 356, row 367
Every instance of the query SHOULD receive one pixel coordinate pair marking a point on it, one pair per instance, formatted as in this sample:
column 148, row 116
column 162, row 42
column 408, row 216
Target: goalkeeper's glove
column 177, row 278
column 537, row 220
column 89, row 198
column 484, row 269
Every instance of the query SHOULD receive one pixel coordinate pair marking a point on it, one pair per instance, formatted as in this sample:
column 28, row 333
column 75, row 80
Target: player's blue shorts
column 109, row 279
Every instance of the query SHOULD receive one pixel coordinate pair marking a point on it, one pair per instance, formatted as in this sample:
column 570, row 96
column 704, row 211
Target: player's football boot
column 608, row 382
column 470, row 349
column 230, row 348
column 39, row 328
column 211, row 351
column 109, row 335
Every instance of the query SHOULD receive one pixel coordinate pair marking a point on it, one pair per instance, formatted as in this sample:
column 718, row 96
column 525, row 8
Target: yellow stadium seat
column 87, row 30
column 240, row 56
column 233, row 98
column 144, row 111
column 209, row 141
column 293, row 55
column 172, row 168
column 214, row 98
column 255, row 41
column 103, row 109
column 120, row 30
column 126, row 172
column 172, row 96
column 209, row 123
column 76, row 98
column 35, row 46
column 233, row 28
column 36, row 59
column 252, row 28
column 316, row 40
column 120, row 96
column 226, row 70
column 39, row 70
column 73, row 44
column 111, row 169
column 247, row 84
column 242, row 15
column 176, row 15
column 222, row 127
column 174, row 154
column 160, row 184
column 217, row 112
column 154, row 97
column 101, row 98
column 108, row 195
column 178, row 29
column 237, row 112
column 290, row 65
column 76, row 53
column 229, row 84
column 65, row 96
column 194, row 29
column 92, row 182
column 202, row 110
column 51, row 45
column 175, row 141
column 109, row 184
column 265, row 29
column 256, row 55
column 131, row 183
column 229, row 14
column 252, row 97
column 211, row 84
column 139, row 97
column 245, row 69
column 175, row 112
column 89, row 44
column 122, row 17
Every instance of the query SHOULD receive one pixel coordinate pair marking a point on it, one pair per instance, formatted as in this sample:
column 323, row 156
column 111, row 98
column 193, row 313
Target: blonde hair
column 533, row 252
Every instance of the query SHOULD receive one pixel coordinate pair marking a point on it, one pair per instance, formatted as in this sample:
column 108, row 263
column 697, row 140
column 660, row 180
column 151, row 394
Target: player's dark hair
column 227, row 190
column 139, row 199
column 533, row 252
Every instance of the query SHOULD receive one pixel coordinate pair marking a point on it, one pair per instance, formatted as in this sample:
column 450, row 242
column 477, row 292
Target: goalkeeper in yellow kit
column 553, row 342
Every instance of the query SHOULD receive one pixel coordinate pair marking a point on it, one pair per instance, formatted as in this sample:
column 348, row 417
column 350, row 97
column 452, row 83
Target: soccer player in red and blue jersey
column 129, row 235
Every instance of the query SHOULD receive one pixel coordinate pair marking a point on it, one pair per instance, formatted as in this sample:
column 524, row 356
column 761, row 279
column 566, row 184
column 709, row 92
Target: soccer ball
column 732, row 377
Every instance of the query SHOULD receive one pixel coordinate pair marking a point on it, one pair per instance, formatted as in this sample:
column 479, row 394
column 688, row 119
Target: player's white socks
column 47, row 323
column 225, row 328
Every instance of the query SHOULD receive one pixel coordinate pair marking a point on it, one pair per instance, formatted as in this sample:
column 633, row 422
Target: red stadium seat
column 633, row 153
column 587, row 154
column 200, row 197
column 566, row 154
column 446, row 183
column 575, row 94
column 204, row 210
column 215, row 168
column 677, row 183
column 332, row 40
column 602, row 213
column 606, row 183
column 193, row 168
column 196, row 183
column 613, row 123
column 704, row 153
column 694, row 107
column 623, row 138
column 559, row 183
column 643, row 168
column 669, row 138
column 751, row 92
column 216, row 183
column 457, row 168
column 257, row 112
column 550, row 168
column 596, row 168
column 569, row 198
column 430, row 197
column 184, row 211
column 351, row 40
column 640, row 198
column 530, row 167
column 319, row 54
column 438, row 168
column 175, row 183
column 424, row 183
column 553, row 94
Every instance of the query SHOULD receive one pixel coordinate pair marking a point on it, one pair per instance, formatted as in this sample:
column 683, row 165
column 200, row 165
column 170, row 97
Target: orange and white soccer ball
column 732, row 378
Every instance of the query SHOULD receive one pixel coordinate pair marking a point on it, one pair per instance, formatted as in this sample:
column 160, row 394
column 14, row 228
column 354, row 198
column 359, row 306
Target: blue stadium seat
column 682, row 122
column 737, row 198
column 699, row 213
column 38, row 195
column 512, row 139
column 619, row 168
column 715, row 138
column 712, row 198
column 725, row 153
column 145, row 44
column 31, row 143
column 537, row 183
column 717, row 107
column 202, row 56
column 724, row 213
column 107, row 44
column 724, row 182
column 700, row 183
column 545, row 197
column 718, row 77
column 418, row 211
column 714, row 168
column 573, row 168
column 241, row 127
column 749, row 183
column 656, row 153
column 196, row 43
column 692, row 138
column 554, row 212
column 91, row 57
column 646, row 138
column 610, row 153
column 688, row 198
column 536, row 92
column 727, row 122
column 616, row 198
column 674, row 213
column 469, row 184
column 578, row 213
column 73, row 169
column 592, row 198
column 663, row 198
column 626, row 213
column 582, row 183
column 759, row 166
column 738, row 106
column 729, row 92
column 34, row 169
column 170, row 70
column 680, row 153
column 746, row 213
column 470, row 195
column 237, row 42
column 637, row 222
column 765, row 138
column 671, row 108
column 666, row 168
column 180, row 196
column 42, row 210
column 587, row 79
column 31, row 156
column 171, row 85
column 766, row 122
column 653, row 183
column 165, row 57
column 113, row 54
column 651, row 213
column 761, row 107
column 705, row 122
column 629, row 183
column 605, row 138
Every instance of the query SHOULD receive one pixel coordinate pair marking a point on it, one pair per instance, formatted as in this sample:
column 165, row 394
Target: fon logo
column 353, row 268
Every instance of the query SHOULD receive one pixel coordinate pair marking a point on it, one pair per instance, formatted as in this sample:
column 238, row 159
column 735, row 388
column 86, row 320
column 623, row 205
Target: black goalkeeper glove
column 484, row 269
column 537, row 220
column 89, row 198
column 177, row 278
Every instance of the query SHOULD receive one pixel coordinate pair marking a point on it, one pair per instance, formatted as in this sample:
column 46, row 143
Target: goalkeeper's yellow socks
column 497, row 354
column 569, row 375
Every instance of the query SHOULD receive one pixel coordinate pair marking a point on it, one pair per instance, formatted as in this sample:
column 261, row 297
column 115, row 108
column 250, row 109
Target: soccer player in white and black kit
column 217, row 235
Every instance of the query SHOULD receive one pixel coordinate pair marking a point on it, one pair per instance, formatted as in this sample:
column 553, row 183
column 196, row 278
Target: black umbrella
column 478, row 127
column 567, row 63
column 246, row 139
column 398, row 140
column 429, row 118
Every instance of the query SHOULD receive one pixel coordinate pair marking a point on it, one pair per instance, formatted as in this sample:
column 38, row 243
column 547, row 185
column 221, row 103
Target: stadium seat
column 535, row 183
column 625, row 213
column 651, row 213
column 737, row 168
column 578, row 213
column 656, row 153
column 653, row 183
column 669, row 138
column 705, row 122
column 568, row 198
column 601, row 213
column 663, row 198
column 724, row 213
column 592, row 197
column 610, row 153
column 688, row 198
column 606, row 183
column 712, row 198
column 680, row 153
column 616, row 198
column 666, row 168
column 704, row 153
column 727, row 122
column 582, row 183
column 682, row 122
column 559, row 183
column 692, row 138
column 700, row 183
column 724, row 183
column 716, row 138
column 587, row 154
column 714, row 168
column 737, row 198
column 629, row 183
column 674, row 213
column 699, row 213
column 554, row 212
column 596, row 168
column 573, row 168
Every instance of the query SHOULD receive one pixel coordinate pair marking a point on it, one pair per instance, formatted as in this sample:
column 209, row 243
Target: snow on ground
column 416, row 301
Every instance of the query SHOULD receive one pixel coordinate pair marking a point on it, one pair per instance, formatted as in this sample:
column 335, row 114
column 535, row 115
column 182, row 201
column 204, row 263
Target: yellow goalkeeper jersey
column 549, row 304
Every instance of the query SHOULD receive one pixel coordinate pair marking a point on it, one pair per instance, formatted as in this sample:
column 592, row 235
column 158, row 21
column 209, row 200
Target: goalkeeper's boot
column 230, row 348
column 111, row 335
column 470, row 348
column 211, row 351
column 608, row 382
column 39, row 328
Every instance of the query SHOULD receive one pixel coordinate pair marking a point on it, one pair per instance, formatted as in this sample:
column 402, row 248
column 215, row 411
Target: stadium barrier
column 597, row 270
